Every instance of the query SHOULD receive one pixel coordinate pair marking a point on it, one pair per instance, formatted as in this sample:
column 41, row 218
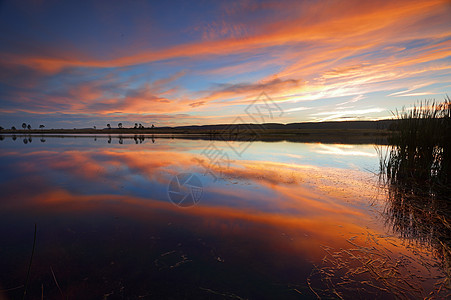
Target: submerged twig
column 56, row 282
column 29, row 265
column 310, row 287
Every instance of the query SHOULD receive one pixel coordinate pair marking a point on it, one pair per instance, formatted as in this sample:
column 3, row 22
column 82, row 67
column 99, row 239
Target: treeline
column 121, row 126
column 25, row 126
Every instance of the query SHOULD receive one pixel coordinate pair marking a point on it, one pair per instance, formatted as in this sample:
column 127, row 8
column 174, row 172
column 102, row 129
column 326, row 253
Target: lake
column 138, row 217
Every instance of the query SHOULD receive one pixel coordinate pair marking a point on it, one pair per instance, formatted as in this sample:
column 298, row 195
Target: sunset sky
column 69, row 64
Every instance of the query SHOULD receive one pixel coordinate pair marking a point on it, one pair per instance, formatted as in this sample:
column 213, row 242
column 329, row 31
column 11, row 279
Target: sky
column 79, row 64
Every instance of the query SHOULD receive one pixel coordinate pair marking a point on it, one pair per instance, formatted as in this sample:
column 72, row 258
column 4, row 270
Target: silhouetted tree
column 119, row 125
column 24, row 125
column 95, row 127
column 108, row 125
column 152, row 126
column 1, row 128
column 41, row 126
column 13, row 128
column 136, row 125
column 141, row 126
column 29, row 127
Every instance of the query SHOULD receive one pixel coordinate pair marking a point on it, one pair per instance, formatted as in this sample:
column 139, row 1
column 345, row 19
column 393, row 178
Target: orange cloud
column 332, row 20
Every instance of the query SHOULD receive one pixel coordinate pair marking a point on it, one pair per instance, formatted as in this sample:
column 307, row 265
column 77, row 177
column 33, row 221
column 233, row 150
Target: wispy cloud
column 354, row 99
column 346, row 114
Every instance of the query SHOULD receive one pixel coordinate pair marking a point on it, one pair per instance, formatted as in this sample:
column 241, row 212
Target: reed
column 416, row 172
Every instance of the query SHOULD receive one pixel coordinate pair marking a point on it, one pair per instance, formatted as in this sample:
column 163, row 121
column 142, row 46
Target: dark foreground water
column 269, row 221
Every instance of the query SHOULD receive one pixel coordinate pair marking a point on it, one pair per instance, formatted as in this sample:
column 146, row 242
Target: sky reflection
column 273, row 214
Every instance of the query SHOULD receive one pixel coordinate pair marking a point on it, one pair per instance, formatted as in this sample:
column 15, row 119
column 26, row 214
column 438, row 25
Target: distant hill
column 343, row 125
column 365, row 132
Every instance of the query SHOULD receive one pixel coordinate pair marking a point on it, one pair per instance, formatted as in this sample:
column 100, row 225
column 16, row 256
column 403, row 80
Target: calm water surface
column 279, row 221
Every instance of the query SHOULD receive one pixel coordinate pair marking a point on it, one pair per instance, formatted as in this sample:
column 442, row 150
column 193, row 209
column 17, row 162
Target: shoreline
column 352, row 136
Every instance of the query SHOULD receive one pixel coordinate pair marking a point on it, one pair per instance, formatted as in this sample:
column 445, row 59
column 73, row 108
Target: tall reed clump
column 421, row 143
column 417, row 173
